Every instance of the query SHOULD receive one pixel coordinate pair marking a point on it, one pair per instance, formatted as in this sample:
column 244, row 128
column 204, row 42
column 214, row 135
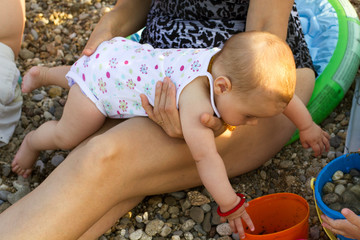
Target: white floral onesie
column 120, row 70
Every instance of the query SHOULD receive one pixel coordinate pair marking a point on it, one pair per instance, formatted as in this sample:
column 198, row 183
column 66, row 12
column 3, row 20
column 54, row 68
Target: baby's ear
column 222, row 85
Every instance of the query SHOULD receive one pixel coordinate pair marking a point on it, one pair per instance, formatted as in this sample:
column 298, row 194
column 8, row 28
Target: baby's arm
column 311, row 135
column 193, row 102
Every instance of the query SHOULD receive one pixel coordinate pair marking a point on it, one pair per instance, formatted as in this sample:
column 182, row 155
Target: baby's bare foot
column 34, row 78
column 25, row 158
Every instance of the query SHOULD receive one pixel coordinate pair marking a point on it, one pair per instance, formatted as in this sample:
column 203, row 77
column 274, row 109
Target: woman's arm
column 270, row 16
column 126, row 18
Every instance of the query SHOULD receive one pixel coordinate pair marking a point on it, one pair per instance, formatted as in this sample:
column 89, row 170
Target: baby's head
column 255, row 76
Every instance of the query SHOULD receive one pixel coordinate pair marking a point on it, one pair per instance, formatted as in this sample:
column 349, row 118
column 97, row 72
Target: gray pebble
column 223, row 229
column 331, row 198
column 4, row 195
column 354, row 172
column 38, row 97
column 337, row 175
column 197, row 214
column 154, row 227
column 178, row 195
column 339, row 189
column 22, row 190
column 136, row 235
column 6, row 170
column 56, row 160
column 165, row 231
column 188, row 225
column 206, row 224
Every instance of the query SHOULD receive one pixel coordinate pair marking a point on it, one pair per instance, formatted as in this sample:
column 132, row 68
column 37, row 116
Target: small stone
column 206, row 224
column 154, row 227
column 56, row 160
column 215, row 218
column 314, row 232
column 335, row 141
column 354, row 172
column 336, row 206
column 165, row 231
column 197, row 214
column 38, row 97
column 223, row 229
column 263, row 174
column 136, row 235
column 329, row 187
column 40, row 164
column 188, row 225
column 356, row 190
column 26, row 54
column 337, row 175
column 55, row 92
column 4, row 195
column 169, row 200
column 197, row 199
column 206, row 207
column 331, row 155
column 339, row 189
column 6, row 170
column 22, row 190
column 178, row 195
column 330, row 198
column 286, row 164
column 188, row 236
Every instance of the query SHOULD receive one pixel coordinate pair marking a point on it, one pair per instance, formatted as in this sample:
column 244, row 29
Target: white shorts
column 10, row 94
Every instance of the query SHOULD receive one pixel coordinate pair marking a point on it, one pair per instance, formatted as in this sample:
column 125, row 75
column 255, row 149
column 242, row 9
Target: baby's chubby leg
column 80, row 119
column 39, row 76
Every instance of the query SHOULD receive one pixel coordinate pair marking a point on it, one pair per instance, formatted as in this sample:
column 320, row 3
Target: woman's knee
column 103, row 154
column 305, row 82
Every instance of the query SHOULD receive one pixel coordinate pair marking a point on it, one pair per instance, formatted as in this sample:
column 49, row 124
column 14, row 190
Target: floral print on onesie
column 120, row 70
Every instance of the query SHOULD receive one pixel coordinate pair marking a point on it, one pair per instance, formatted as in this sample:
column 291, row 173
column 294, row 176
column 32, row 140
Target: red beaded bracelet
column 242, row 201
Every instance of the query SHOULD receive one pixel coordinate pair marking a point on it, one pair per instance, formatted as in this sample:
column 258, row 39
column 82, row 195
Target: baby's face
column 245, row 109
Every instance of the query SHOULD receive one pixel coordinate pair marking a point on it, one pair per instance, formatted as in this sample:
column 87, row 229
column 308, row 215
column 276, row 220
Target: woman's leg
column 12, row 20
column 129, row 161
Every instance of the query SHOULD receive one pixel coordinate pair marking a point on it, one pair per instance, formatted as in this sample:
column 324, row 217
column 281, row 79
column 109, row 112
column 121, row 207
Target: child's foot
column 24, row 159
column 34, row 78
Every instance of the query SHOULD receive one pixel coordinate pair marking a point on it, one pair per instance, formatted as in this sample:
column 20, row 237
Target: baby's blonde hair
column 259, row 59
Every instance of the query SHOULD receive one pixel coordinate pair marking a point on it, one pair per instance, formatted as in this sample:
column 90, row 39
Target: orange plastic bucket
column 279, row 216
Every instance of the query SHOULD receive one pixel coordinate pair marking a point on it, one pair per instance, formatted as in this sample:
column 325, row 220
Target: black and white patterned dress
column 209, row 23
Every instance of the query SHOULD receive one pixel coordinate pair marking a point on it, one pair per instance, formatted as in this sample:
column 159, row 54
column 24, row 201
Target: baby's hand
column 315, row 138
column 235, row 217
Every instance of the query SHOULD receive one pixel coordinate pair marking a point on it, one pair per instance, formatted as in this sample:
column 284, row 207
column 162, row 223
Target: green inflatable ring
column 337, row 77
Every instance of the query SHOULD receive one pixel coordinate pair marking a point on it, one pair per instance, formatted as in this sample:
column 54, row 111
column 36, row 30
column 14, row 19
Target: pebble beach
column 56, row 32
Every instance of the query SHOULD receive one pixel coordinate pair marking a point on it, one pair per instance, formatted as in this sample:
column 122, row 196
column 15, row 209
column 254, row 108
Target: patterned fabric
column 120, row 70
column 209, row 23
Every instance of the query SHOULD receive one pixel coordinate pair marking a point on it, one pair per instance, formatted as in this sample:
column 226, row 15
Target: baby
column 253, row 76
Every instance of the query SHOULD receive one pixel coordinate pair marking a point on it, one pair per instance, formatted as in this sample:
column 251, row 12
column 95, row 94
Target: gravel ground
column 56, row 32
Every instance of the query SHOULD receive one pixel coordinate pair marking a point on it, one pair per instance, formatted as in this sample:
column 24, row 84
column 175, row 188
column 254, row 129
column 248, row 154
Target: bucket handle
column 319, row 212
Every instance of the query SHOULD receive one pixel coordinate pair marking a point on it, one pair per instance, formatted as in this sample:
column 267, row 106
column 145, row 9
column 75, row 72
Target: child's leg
column 80, row 119
column 43, row 76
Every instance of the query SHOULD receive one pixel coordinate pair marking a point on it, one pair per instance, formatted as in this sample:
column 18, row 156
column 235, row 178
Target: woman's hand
column 102, row 32
column 127, row 17
column 166, row 114
column 349, row 227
